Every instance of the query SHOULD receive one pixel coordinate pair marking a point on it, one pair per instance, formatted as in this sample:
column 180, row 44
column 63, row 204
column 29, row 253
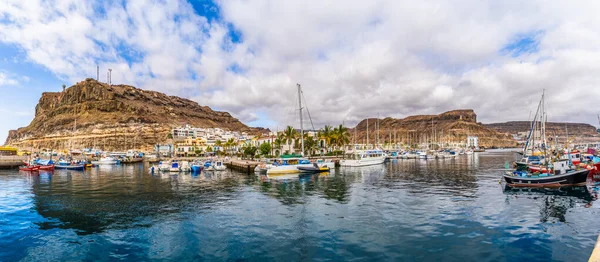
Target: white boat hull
column 363, row 162
column 111, row 162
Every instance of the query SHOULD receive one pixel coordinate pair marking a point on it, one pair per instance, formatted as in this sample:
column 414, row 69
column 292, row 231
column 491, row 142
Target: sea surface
column 403, row 210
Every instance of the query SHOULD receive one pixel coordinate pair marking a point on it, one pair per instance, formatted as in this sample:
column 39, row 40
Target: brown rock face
column 577, row 132
column 115, row 117
column 449, row 127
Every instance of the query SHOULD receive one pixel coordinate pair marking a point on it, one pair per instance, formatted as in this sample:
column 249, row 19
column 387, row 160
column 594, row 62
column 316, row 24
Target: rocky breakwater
column 113, row 117
column 447, row 128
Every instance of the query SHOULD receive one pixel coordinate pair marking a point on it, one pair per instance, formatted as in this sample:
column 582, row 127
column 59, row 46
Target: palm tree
column 230, row 142
column 278, row 142
column 311, row 144
column 326, row 134
column 218, row 144
column 290, row 135
column 341, row 136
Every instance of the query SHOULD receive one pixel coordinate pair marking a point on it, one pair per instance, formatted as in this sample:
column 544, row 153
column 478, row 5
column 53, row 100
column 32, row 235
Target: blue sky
column 354, row 59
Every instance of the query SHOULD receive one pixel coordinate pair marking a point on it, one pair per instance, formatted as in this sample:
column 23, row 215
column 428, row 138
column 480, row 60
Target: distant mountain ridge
column 115, row 117
column 552, row 128
column 451, row 126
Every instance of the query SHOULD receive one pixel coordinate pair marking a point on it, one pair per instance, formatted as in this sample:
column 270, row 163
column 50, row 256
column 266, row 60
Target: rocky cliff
column 447, row 128
column 552, row 128
column 94, row 114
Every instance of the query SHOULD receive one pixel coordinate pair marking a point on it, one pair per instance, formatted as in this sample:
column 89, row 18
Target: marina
column 438, row 207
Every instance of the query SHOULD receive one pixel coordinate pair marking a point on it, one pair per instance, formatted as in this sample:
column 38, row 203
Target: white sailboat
column 290, row 165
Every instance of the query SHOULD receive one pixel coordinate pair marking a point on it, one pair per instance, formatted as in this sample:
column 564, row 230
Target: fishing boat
column 77, row 167
column 364, row 158
column 197, row 167
column 563, row 175
column 164, row 166
column 174, row 167
column 29, row 168
column 216, row 166
column 47, row 167
column 539, row 168
column 185, row 166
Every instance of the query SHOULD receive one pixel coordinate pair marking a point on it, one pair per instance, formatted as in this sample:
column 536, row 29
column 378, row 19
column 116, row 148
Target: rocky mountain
column 552, row 128
column 449, row 127
column 113, row 117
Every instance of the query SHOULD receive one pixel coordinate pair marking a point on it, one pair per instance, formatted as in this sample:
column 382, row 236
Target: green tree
column 327, row 134
column 198, row 152
column 265, row 148
column 341, row 136
column 209, row 149
column 311, row 145
column 249, row 150
column 290, row 134
column 170, row 136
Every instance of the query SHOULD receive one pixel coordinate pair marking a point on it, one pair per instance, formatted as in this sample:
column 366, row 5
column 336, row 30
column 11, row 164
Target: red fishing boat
column 29, row 168
column 47, row 167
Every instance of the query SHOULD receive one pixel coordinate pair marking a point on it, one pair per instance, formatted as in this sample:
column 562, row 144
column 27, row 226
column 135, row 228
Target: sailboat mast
column 367, row 132
column 301, row 126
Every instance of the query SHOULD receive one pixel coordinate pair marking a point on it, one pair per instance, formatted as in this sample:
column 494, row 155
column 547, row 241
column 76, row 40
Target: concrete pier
column 246, row 166
column 11, row 161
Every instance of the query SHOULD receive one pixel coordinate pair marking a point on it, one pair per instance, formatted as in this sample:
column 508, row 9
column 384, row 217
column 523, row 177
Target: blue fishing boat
column 77, row 167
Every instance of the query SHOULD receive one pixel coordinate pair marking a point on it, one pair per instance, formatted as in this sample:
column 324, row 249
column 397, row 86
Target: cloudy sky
column 354, row 59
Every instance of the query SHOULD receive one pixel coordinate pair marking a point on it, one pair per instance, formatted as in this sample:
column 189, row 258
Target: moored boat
column 563, row 175
column 109, row 160
column 364, row 158
column 78, row 167
column 313, row 169
column 30, row 168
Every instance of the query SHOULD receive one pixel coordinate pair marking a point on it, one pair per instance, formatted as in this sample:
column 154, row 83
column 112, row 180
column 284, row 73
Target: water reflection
column 123, row 197
column 555, row 202
column 290, row 189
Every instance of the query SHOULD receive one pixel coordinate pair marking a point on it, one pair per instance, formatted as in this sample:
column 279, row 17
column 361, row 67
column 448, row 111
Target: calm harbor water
column 405, row 210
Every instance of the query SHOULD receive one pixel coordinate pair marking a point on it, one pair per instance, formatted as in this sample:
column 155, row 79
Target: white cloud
column 354, row 58
column 6, row 80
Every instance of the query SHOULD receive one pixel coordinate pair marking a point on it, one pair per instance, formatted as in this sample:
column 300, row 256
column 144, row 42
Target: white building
column 473, row 142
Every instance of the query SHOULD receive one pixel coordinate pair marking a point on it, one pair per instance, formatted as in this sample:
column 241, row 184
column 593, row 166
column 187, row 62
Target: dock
column 11, row 161
column 246, row 166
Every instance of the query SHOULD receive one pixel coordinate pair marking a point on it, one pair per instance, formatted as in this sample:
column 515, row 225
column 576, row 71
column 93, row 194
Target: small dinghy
column 313, row 169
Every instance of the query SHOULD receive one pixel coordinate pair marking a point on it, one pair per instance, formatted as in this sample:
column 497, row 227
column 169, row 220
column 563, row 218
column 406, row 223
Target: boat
column 364, row 158
column 422, row 155
column 313, row 169
column 29, row 168
column 174, row 167
column 109, row 160
column 539, row 168
column 164, row 166
column 78, row 167
column 262, row 168
column 216, row 166
column 197, row 167
column 287, row 165
column 47, row 167
column 185, row 166
column 558, row 179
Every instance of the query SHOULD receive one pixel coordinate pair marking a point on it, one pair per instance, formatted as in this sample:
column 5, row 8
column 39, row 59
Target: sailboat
column 291, row 165
column 548, row 170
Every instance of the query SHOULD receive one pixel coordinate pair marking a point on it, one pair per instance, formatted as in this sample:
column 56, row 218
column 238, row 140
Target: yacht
column 364, row 158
